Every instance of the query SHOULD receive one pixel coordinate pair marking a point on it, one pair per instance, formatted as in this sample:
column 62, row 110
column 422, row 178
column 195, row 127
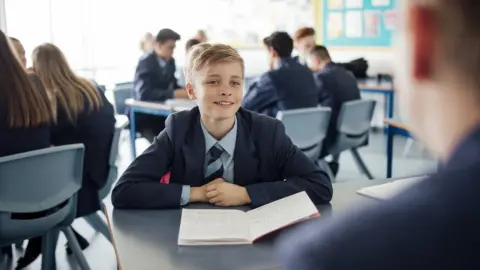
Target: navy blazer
column 152, row 82
column 19, row 140
column 432, row 225
column 264, row 157
column 335, row 86
column 289, row 86
column 95, row 130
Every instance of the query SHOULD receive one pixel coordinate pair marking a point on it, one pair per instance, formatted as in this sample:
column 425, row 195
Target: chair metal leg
column 361, row 165
column 49, row 244
column 77, row 251
column 98, row 224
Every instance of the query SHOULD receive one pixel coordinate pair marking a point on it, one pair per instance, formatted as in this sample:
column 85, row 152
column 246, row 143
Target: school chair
column 122, row 92
column 95, row 220
column 306, row 127
column 38, row 198
column 353, row 131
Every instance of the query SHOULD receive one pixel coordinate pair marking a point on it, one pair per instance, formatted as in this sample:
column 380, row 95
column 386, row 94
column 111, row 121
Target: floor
column 100, row 253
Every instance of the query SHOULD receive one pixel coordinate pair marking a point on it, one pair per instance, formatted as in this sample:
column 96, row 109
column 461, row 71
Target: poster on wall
column 353, row 24
column 335, row 4
column 335, row 25
column 372, row 23
column 380, row 3
column 390, row 19
column 354, row 3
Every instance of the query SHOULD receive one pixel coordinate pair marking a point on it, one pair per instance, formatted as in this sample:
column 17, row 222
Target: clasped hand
column 220, row 193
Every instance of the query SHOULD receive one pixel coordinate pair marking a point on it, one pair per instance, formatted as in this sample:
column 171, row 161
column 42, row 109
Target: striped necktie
column 215, row 167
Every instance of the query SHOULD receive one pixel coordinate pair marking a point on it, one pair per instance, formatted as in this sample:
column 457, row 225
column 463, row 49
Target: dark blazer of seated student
column 335, row 86
column 155, row 81
column 84, row 116
column 257, row 157
column 25, row 109
column 288, row 85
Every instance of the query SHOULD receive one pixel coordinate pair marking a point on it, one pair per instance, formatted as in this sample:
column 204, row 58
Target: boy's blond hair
column 205, row 54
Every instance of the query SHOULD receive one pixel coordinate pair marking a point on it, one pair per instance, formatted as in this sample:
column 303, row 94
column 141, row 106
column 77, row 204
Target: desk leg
column 391, row 104
column 133, row 133
column 389, row 151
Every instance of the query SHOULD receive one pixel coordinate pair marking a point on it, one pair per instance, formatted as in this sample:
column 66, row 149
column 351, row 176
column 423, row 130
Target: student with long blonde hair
column 83, row 116
column 25, row 113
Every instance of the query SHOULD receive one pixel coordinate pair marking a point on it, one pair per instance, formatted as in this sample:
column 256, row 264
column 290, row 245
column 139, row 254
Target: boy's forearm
column 146, row 195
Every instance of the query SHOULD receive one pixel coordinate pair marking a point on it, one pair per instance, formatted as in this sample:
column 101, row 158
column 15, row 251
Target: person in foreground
column 288, row 85
column 434, row 224
column 217, row 152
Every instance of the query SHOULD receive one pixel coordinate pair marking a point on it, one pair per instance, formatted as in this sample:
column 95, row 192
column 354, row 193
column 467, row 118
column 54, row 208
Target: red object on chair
column 165, row 178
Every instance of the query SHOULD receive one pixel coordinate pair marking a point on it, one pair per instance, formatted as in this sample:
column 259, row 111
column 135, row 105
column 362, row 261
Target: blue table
column 395, row 127
column 384, row 88
column 152, row 108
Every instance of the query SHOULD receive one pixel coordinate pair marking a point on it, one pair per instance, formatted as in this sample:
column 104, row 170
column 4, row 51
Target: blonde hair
column 70, row 91
column 205, row 54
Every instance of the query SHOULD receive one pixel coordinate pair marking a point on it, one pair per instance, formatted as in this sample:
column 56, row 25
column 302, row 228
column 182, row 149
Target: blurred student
column 19, row 51
column 147, row 42
column 201, row 36
column 84, row 116
column 434, row 224
column 304, row 43
column 288, row 85
column 335, row 86
column 218, row 153
column 181, row 75
column 25, row 109
column 155, row 81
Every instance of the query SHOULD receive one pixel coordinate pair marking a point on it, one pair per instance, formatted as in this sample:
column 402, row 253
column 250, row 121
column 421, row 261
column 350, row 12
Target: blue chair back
column 120, row 124
column 353, row 125
column 122, row 92
column 306, row 128
column 38, row 191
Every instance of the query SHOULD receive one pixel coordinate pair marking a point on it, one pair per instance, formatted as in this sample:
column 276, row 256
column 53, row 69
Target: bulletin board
column 356, row 23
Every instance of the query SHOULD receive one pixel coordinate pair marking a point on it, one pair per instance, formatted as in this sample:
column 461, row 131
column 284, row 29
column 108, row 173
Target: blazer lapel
column 245, row 158
column 194, row 153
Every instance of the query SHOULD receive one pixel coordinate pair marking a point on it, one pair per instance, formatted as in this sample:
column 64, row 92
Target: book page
column 213, row 224
column 388, row 190
column 280, row 213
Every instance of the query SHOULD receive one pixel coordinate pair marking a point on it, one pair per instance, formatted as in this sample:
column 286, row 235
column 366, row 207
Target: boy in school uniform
column 155, row 81
column 335, row 86
column 219, row 153
column 433, row 224
column 288, row 85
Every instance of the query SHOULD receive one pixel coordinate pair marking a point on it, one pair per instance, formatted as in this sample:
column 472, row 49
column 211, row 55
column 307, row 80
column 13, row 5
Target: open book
column 236, row 227
column 390, row 189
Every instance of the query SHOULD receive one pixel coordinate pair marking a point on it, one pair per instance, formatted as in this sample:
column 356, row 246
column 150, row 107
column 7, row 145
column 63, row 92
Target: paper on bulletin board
column 353, row 24
column 372, row 23
column 354, row 3
column 335, row 25
column 390, row 19
column 335, row 4
column 380, row 3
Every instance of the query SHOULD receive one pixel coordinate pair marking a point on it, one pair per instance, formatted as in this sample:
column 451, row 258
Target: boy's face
column 218, row 90
column 305, row 45
column 314, row 62
column 165, row 49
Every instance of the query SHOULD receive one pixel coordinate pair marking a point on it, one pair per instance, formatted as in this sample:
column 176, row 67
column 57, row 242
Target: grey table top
column 147, row 240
